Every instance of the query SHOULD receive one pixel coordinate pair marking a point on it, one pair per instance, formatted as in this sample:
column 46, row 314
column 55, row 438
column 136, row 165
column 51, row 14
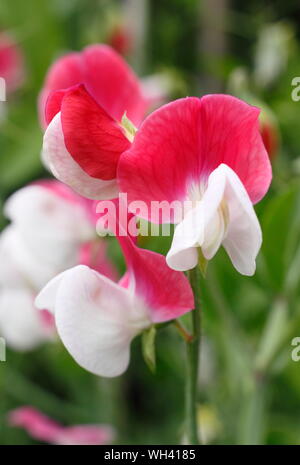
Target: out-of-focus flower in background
column 269, row 132
column 119, row 39
column 272, row 52
column 239, row 84
column 51, row 230
column 43, row 428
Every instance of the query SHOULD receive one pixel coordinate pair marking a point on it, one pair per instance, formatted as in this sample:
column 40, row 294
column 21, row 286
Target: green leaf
column 274, row 333
column 281, row 235
column 148, row 347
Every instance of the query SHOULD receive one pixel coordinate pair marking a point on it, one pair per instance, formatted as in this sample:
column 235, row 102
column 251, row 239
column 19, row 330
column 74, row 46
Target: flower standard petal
column 163, row 156
column 231, row 135
column 107, row 78
column 113, row 84
column 181, row 143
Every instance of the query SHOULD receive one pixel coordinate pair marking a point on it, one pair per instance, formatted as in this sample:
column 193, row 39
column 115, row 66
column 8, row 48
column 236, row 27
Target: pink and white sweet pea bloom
column 43, row 428
column 97, row 319
column 84, row 99
column 51, row 229
column 207, row 154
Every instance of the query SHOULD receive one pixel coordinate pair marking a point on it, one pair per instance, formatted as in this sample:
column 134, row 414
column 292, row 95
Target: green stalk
column 193, row 352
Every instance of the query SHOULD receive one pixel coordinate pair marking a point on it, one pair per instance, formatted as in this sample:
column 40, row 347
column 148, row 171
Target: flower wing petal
column 67, row 170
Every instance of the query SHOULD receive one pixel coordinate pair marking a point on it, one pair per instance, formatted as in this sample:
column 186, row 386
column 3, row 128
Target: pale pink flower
column 43, row 428
column 51, row 230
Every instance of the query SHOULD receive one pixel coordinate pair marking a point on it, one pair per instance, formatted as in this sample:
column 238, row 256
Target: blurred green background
column 249, row 391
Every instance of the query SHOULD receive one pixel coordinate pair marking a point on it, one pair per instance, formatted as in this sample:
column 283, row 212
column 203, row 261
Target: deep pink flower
column 11, row 62
column 209, row 152
column 97, row 319
column 87, row 94
column 43, row 428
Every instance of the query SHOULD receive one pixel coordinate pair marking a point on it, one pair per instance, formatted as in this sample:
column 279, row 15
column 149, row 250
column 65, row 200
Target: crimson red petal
column 181, row 143
column 93, row 139
column 113, row 84
column 166, row 292
column 64, row 73
column 53, row 105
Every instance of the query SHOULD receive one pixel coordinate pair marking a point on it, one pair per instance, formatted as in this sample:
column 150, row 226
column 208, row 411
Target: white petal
column 96, row 320
column 244, row 237
column 65, row 168
column 20, row 322
column 46, row 299
column 18, row 265
column 224, row 216
column 10, row 274
column 183, row 253
column 52, row 228
column 213, row 220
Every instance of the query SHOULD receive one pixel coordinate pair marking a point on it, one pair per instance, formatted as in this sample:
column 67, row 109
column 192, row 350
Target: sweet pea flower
column 51, row 229
column 97, row 319
column 84, row 99
column 207, row 154
column 11, row 62
column 43, row 428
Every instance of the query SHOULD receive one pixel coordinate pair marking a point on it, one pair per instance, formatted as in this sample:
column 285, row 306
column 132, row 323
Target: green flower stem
column 193, row 352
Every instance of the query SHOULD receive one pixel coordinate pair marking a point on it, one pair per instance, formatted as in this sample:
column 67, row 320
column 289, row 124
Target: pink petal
column 64, row 73
column 42, row 428
column 166, row 292
column 93, row 254
column 113, row 84
column 181, row 143
column 107, row 78
column 85, row 435
column 53, row 105
column 232, row 136
column 35, row 423
column 113, row 217
column 93, row 139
